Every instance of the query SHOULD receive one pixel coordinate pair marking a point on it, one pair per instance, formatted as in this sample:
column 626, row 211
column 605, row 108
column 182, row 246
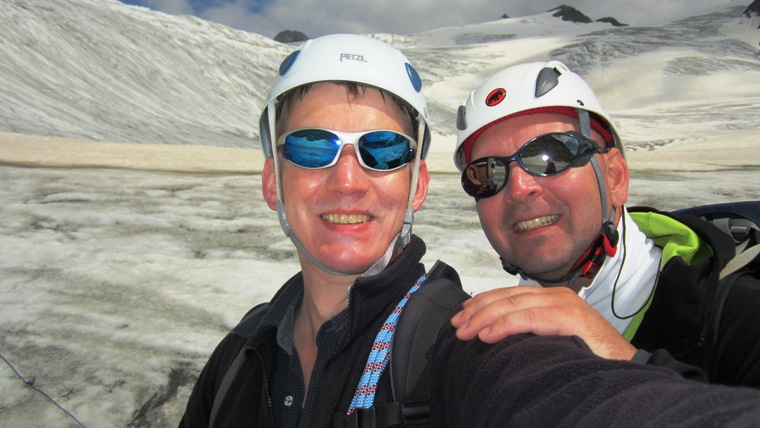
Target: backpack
column 424, row 315
column 741, row 221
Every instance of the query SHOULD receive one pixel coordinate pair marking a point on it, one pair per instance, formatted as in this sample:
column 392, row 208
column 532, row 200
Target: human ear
column 423, row 179
column 617, row 178
column 269, row 183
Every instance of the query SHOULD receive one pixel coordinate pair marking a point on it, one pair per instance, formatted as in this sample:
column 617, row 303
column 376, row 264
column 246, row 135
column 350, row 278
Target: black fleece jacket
column 522, row 381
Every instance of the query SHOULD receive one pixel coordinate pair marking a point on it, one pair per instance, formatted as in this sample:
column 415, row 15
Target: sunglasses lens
column 319, row 148
column 549, row 154
column 485, row 177
column 385, row 150
column 544, row 155
column 311, row 148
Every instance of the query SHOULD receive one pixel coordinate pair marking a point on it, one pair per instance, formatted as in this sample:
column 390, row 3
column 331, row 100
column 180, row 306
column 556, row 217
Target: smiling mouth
column 345, row 218
column 535, row 223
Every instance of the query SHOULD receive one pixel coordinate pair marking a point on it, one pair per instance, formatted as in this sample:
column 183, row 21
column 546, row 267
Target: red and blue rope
column 378, row 359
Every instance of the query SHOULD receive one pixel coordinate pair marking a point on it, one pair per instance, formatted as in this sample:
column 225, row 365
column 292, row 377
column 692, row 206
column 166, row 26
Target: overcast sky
column 319, row 17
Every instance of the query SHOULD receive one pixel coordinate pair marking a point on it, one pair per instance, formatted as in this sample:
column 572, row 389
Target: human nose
column 521, row 185
column 347, row 175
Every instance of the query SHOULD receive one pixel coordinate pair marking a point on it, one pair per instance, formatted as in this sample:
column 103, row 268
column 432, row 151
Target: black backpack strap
column 424, row 316
column 711, row 321
column 740, row 260
column 746, row 235
column 740, row 221
column 420, row 322
column 224, row 388
column 234, row 368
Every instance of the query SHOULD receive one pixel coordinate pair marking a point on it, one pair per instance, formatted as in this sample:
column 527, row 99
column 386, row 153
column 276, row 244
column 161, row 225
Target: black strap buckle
column 416, row 412
column 411, row 413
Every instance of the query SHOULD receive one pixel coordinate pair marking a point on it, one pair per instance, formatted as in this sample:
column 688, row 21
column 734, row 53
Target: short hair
column 355, row 90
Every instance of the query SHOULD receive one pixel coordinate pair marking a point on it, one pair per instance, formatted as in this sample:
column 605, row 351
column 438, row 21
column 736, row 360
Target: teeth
column 345, row 218
column 535, row 223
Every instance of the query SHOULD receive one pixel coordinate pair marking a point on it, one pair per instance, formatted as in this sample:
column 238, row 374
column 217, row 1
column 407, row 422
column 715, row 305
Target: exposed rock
column 569, row 13
column 753, row 11
column 612, row 21
column 505, row 16
column 291, row 36
column 753, row 8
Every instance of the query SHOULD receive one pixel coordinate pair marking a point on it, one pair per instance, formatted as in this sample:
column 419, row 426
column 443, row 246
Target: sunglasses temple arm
column 416, row 165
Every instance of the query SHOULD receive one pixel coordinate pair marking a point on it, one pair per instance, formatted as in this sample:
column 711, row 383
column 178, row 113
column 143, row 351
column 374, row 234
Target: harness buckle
column 416, row 412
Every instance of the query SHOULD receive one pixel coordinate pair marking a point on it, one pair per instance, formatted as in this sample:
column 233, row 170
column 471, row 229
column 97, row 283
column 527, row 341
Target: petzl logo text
column 351, row 57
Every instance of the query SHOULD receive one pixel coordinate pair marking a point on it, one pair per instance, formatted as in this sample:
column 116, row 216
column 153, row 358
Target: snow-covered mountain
column 102, row 70
column 99, row 69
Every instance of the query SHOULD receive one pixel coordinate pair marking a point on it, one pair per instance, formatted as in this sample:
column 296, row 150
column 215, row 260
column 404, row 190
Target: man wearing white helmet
column 318, row 353
column 344, row 131
column 546, row 166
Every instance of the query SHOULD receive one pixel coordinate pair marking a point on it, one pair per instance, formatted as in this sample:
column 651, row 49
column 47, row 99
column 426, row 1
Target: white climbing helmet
column 357, row 59
column 520, row 89
column 346, row 58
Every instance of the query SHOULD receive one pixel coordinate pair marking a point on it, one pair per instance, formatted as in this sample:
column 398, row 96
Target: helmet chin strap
column 401, row 240
column 605, row 244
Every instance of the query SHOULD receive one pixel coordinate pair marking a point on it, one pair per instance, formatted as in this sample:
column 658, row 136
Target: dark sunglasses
column 316, row 148
column 545, row 155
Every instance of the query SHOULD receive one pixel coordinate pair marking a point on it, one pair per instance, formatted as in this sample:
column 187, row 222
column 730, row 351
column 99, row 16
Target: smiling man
column 345, row 135
column 546, row 167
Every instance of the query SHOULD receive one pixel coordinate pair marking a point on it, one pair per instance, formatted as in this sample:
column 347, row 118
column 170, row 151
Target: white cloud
column 317, row 18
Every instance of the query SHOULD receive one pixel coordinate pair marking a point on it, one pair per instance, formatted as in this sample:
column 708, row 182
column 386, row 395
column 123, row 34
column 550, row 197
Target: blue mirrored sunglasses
column 316, row 148
column 543, row 156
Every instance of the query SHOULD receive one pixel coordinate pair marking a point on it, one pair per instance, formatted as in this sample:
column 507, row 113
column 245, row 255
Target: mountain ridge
column 102, row 70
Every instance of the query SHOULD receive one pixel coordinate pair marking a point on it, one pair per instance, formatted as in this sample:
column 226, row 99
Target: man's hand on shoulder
column 496, row 314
